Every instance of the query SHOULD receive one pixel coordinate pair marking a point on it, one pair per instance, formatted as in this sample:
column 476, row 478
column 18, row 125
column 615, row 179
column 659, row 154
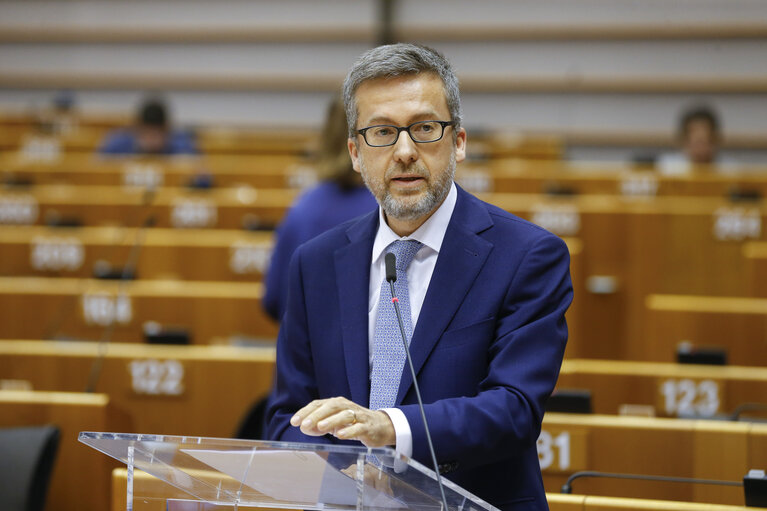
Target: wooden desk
column 231, row 208
column 80, row 478
column 175, row 390
column 267, row 140
column 672, row 447
column 635, row 445
column 81, row 138
column 671, row 389
column 185, row 254
column 87, row 137
column 635, row 247
column 557, row 501
column 631, row 247
column 224, row 170
column 560, row 502
column 28, row 120
column 209, row 255
column 56, row 307
column 755, row 254
column 501, row 175
column 737, row 324
column 285, row 170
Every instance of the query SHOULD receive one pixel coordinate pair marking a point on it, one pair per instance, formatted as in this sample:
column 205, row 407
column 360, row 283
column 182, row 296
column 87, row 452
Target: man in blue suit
column 483, row 296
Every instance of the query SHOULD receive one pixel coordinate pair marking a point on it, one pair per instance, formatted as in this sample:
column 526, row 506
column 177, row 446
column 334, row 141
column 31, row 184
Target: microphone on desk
column 391, row 277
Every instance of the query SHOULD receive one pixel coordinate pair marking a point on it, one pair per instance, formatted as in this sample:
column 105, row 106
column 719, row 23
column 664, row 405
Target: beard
column 417, row 205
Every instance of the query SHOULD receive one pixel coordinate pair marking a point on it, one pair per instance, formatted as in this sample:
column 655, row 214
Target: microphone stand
column 128, row 272
column 391, row 277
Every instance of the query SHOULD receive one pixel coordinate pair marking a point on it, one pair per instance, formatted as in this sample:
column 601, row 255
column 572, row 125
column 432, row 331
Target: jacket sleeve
column 295, row 382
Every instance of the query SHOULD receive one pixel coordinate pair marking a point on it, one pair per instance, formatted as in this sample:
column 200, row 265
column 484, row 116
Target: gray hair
column 396, row 60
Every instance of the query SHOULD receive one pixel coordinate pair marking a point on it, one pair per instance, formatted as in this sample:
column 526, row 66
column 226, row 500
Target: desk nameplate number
column 562, row 449
column 689, row 397
column 103, row 309
column 247, row 258
column 157, row 377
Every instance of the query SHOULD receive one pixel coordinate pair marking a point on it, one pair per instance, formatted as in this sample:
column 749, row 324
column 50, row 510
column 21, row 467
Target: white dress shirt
column 431, row 234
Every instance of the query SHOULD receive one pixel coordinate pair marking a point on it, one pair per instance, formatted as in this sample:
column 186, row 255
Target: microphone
column 567, row 487
column 391, row 269
column 391, row 276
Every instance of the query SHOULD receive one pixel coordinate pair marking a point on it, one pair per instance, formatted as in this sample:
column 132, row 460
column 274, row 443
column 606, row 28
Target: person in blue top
column 151, row 134
column 483, row 296
column 340, row 196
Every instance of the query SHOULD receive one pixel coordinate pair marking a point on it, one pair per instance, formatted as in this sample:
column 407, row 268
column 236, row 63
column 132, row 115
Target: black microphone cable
column 567, row 487
column 391, row 277
column 747, row 407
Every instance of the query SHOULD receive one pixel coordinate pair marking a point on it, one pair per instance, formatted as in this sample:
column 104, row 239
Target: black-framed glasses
column 421, row 132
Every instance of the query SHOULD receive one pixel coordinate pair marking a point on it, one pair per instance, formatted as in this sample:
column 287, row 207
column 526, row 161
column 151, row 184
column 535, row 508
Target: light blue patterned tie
column 388, row 351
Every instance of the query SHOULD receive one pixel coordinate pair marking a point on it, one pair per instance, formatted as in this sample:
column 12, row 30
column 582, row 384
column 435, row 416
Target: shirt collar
column 431, row 233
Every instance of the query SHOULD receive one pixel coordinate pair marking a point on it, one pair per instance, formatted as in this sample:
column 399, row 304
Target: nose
column 404, row 149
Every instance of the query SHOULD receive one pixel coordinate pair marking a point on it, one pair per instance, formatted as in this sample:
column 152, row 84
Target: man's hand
column 346, row 420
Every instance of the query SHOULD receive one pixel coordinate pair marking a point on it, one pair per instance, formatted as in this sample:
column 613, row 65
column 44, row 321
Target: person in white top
column 700, row 136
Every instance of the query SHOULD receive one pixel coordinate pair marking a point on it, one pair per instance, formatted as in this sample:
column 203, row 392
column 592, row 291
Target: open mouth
column 407, row 179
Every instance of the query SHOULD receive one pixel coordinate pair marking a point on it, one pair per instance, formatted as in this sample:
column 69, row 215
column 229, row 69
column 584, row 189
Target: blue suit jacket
column 487, row 346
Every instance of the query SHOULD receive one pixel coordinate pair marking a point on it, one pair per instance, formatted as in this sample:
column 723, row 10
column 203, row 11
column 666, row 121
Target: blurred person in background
column 340, row 196
column 42, row 142
column 62, row 114
column 151, row 134
column 699, row 135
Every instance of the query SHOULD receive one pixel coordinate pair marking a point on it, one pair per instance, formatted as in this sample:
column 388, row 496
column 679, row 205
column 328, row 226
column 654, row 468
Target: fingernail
column 322, row 424
column 295, row 420
column 306, row 423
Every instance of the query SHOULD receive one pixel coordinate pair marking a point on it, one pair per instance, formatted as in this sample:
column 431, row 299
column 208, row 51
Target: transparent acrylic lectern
column 212, row 474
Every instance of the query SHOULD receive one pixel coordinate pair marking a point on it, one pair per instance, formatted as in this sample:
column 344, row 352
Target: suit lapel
column 352, row 265
column 461, row 257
